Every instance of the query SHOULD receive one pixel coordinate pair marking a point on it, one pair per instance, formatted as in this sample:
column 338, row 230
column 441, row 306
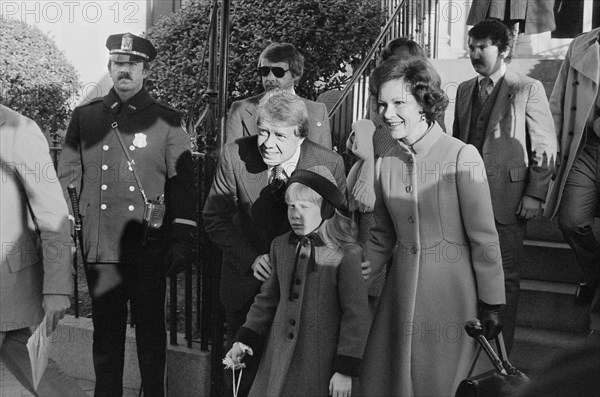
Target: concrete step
column 550, row 261
column 542, row 228
column 532, row 348
column 550, row 306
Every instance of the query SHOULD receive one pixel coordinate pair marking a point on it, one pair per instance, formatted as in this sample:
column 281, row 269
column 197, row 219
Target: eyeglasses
column 277, row 71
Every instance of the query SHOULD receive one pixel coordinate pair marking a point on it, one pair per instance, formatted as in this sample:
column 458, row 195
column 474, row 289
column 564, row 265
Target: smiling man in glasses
column 280, row 67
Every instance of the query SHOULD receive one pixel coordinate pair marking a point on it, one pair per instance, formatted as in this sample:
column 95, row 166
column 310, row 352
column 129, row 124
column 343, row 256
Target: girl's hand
column 340, row 385
column 236, row 354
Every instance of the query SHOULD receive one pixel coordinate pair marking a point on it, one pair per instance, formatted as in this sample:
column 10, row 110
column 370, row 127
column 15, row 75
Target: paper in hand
column 38, row 346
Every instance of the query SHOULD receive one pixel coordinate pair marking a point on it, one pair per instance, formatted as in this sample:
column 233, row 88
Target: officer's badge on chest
column 140, row 140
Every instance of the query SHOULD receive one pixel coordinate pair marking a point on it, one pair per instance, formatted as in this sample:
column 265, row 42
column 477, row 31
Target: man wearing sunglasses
column 280, row 67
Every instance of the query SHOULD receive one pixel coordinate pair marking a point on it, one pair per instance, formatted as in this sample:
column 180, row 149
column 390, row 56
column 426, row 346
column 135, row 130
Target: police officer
column 122, row 151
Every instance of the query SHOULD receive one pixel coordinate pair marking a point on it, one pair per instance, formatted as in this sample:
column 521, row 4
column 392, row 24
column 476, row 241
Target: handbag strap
column 130, row 162
column 501, row 351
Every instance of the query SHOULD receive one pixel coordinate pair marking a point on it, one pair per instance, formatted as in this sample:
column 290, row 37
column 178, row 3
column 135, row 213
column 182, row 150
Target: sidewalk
column 10, row 387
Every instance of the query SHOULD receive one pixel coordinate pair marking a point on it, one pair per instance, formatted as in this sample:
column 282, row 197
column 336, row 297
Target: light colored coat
column 435, row 207
column 538, row 15
column 572, row 98
column 519, row 147
column 34, row 232
column 241, row 120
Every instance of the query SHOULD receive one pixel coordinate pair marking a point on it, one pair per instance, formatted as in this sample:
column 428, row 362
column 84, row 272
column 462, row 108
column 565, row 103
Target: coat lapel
column 465, row 97
column 506, row 93
column 586, row 57
column 307, row 156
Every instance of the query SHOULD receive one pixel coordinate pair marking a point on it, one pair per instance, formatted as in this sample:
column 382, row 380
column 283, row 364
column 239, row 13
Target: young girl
column 313, row 308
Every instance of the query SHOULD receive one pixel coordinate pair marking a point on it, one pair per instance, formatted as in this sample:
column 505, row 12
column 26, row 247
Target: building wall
column 80, row 30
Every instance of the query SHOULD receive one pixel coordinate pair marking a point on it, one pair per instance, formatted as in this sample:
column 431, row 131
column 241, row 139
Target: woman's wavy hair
column 421, row 80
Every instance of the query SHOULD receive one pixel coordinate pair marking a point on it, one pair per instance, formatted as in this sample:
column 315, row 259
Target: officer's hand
column 262, row 267
column 490, row 318
column 55, row 307
column 179, row 255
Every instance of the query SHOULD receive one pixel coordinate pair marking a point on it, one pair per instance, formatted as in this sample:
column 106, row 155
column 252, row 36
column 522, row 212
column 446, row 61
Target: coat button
column 104, row 167
column 571, row 133
column 298, row 281
column 302, row 255
column 296, row 295
column 103, row 187
column 131, row 188
column 573, row 107
column 292, row 321
column 105, row 147
column 132, row 148
column 408, row 189
column 576, row 82
column 411, row 219
column 102, row 206
column 565, row 157
column 291, row 335
column 414, row 249
column 319, row 124
column 131, row 208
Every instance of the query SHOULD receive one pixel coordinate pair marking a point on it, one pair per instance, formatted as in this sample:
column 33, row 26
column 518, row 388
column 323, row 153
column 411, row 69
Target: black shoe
column 584, row 294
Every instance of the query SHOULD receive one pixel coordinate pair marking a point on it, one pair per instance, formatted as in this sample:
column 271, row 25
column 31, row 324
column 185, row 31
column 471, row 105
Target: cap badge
column 126, row 42
column 140, row 140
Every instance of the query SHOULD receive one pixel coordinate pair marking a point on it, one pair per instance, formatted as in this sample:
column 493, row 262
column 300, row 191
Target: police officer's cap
column 127, row 47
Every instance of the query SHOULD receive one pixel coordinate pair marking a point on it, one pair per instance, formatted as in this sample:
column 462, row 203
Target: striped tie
column 483, row 89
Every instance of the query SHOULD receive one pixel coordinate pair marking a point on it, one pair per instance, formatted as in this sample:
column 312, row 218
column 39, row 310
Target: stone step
column 542, row 228
column 532, row 348
column 550, row 306
column 550, row 261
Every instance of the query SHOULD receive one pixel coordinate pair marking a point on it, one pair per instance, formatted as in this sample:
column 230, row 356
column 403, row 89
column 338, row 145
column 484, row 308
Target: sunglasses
column 277, row 71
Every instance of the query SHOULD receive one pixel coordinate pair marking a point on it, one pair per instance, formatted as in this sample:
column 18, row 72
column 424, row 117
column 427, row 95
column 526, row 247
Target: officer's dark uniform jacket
column 110, row 202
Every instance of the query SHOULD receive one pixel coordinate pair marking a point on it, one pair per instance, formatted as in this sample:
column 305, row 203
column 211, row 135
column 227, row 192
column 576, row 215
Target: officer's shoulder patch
column 90, row 102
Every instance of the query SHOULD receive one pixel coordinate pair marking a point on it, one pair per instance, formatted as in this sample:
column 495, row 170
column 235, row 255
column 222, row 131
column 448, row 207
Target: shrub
column 36, row 78
column 332, row 35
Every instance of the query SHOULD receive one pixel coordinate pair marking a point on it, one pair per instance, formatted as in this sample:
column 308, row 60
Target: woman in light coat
column 433, row 213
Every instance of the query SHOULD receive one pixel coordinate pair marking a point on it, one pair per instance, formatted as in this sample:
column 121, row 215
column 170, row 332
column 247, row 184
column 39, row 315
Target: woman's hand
column 340, row 385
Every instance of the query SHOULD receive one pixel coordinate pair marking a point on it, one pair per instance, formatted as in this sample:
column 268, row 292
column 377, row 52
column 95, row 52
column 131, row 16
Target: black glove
column 179, row 255
column 490, row 317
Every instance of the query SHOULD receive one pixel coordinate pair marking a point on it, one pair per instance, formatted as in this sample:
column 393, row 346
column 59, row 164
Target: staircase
column 548, row 320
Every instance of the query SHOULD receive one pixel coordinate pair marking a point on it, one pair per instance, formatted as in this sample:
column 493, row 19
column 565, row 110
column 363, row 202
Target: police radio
column 154, row 214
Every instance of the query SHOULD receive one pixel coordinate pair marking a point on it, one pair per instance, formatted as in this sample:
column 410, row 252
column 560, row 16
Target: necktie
column 483, row 89
column 277, row 179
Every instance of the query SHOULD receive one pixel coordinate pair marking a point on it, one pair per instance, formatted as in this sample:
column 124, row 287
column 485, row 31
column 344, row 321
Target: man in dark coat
column 126, row 259
column 245, row 209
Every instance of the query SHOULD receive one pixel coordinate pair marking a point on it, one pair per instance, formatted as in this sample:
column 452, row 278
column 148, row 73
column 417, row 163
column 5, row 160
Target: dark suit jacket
column 520, row 144
column 242, row 217
column 241, row 121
